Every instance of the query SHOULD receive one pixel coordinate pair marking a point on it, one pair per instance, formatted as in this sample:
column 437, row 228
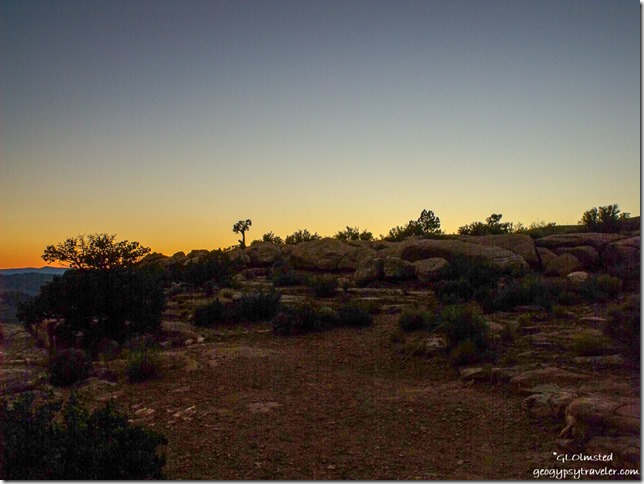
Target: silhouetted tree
column 353, row 234
column 240, row 228
column 95, row 251
column 427, row 224
column 603, row 219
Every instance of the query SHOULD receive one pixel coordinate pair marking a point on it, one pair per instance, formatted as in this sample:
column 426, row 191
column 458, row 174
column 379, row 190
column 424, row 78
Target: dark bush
column 43, row 442
column 113, row 303
column 282, row 275
column 258, row 306
column 143, row 361
column 216, row 267
column 600, row 288
column 208, row 315
column 68, row 366
column 323, row 286
column 301, row 319
column 351, row 315
column 416, row 320
column 624, row 327
column 532, row 290
column 467, row 279
column 461, row 323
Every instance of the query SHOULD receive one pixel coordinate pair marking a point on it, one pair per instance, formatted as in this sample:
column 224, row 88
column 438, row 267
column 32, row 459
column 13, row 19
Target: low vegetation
column 55, row 442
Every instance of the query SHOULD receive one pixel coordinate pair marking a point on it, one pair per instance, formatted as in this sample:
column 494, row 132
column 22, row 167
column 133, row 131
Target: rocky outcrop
column 521, row 244
column 328, row 255
column 624, row 253
column 545, row 255
column 394, row 268
column 563, row 265
column 595, row 240
column 418, row 249
column 428, row 270
column 587, row 255
column 263, row 254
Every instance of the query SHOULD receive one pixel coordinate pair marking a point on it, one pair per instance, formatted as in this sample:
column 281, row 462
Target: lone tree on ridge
column 240, row 228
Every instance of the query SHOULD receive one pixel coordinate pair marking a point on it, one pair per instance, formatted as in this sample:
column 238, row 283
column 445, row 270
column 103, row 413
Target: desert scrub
column 589, row 344
column 600, row 288
column 531, row 290
column 624, row 327
column 143, row 360
column 68, row 366
column 464, row 353
column 323, row 286
column 257, row 306
column 461, row 323
column 207, row 315
column 302, row 319
column 351, row 315
column 416, row 320
column 55, row 442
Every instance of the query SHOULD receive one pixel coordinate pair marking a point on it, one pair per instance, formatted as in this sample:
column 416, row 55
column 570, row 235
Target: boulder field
column 425, row 259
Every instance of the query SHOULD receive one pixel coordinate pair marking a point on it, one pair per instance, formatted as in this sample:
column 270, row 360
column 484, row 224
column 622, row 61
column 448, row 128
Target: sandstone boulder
column 263, row 254
column 625, row 253
column 328, row 255
column 414, row 250
column 545, row 255
column 562, row 265
column 595, row 240
column 587, row 255
column 394, row 268
column 521, row 244
column 368, row 270
column 578, row 277
column 523, row 382
column 430, row 269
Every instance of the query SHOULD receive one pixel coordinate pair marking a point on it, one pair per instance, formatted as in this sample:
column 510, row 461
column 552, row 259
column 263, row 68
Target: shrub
column 43, row 442
column 324, row 286
column 589, row 344
column 351, row 315
column 301, row 319
column 207, row 315
column 624, row 327
column 68, row 366
column 600, row 288
column 112, row 303
column 466, row 279
column 464, row 353
column 416, row 320
column 143, row 360
column 353, row 234
column 531, row 290
column 427, row 224
column 461, row 323
column 301, row 236
column 603, row 219
column 215, row 267
column 261, row 305
column 492, row 226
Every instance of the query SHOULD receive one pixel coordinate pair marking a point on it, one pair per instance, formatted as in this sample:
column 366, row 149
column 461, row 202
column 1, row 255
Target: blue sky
column 167, row 121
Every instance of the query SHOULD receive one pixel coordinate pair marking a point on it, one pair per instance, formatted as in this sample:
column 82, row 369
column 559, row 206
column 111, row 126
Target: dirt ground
column 335, row 405
column 343, row 404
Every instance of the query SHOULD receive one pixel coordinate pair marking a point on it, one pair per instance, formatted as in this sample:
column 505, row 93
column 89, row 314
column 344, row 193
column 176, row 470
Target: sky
column 167, row 121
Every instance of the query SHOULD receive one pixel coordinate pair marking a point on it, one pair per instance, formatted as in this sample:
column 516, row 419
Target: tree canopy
column 95, row 251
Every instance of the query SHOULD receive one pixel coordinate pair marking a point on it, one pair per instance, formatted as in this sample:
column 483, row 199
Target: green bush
column 258, row 306
column 44, row 443
column 324, row 286
column 207, row 315
column 467, row 279
column 68, row 366
column 461, row 323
